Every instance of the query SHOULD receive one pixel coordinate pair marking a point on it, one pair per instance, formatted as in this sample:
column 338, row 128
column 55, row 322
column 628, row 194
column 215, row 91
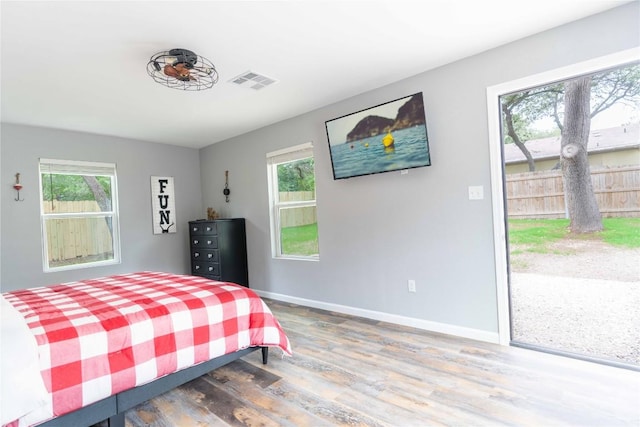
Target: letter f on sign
column 163, row 184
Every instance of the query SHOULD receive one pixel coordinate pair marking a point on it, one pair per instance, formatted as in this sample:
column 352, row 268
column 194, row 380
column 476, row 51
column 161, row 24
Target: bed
column 87, row 351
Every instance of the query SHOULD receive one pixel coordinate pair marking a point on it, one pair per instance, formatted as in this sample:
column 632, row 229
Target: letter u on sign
column 163, row 204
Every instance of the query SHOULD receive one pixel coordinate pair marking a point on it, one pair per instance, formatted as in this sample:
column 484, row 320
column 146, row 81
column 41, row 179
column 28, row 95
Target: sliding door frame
column 497, row 165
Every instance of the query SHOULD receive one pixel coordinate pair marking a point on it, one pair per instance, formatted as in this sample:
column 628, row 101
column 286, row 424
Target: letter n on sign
column 163, row 204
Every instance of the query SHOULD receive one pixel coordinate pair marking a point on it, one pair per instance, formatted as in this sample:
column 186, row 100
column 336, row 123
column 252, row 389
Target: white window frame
column 275, row 158
column 71, row 167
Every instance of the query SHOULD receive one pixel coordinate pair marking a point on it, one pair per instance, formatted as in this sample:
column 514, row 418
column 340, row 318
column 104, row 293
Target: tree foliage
column 522, row 109
column 620, row 85
column 296, row 176
column 75, row 187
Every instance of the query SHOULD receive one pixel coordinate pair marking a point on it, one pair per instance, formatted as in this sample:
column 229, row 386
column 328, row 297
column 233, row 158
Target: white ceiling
column 81, row 65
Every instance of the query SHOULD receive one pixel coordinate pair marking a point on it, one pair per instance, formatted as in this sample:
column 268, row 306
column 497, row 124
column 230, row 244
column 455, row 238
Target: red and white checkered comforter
column 99, row 337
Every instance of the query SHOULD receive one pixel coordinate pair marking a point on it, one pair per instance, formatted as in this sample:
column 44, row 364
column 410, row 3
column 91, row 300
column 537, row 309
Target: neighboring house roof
column 601, row 140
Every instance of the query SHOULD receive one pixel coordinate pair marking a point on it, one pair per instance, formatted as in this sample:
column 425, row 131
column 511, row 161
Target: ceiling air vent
column 252, row 80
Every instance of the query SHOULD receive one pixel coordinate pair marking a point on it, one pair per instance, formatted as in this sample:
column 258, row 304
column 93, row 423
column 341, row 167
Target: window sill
column 298, row 258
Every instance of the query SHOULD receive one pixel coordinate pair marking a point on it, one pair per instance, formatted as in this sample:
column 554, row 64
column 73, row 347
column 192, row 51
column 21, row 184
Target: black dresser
column 219, row 250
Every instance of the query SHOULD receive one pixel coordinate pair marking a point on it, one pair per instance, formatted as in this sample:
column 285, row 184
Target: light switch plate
column 476, row 192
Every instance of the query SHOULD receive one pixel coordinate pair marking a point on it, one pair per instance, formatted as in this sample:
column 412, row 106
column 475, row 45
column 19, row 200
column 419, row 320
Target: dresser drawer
column 199, row 228
column 196, row 228
column 205, row 268
column 210, row 255
column 209, row 228
column 204, row 242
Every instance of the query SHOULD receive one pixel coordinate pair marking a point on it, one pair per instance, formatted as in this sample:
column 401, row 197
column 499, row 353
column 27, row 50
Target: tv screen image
column 388, row 137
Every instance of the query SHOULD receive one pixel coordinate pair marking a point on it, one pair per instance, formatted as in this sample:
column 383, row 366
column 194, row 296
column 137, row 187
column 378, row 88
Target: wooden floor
column 357, row 372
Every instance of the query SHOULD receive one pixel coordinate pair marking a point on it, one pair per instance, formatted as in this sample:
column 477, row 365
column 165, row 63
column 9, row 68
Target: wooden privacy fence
column 70, row 238
column 541, row 194
column 294, row 217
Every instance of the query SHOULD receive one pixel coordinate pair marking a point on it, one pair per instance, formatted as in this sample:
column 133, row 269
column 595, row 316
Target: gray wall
column 136, row 162
column 378, row 231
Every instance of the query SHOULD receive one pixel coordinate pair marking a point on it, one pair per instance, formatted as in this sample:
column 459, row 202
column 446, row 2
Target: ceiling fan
column 182, row 69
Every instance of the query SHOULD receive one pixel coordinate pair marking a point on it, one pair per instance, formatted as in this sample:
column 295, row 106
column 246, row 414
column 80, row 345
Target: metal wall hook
column 226, row 190
column 17, row 186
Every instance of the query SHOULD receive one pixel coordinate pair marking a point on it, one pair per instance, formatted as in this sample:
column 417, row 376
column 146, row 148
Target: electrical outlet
column 411, row 285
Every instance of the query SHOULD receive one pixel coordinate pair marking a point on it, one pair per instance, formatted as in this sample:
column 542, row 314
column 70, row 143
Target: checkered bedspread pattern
column 99, row 337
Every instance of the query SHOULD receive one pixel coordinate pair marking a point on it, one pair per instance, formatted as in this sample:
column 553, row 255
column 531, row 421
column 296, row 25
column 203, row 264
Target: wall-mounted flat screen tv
column 388, row 137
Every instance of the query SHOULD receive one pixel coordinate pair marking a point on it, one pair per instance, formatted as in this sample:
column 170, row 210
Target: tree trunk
column 103, row 200
column 584, row 213
column 511, row 131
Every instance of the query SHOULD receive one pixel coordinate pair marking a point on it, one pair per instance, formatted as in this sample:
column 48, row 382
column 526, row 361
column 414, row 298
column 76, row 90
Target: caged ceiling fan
column 182, row 69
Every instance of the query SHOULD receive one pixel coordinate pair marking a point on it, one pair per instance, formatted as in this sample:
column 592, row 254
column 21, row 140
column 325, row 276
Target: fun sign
column 163, row 204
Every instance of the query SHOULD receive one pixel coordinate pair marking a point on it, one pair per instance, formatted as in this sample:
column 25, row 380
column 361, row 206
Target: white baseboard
column 443, row 328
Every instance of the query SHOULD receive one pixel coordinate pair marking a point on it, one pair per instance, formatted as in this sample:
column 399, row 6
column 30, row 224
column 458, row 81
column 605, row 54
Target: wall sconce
column 17, row 186
column 226, row 190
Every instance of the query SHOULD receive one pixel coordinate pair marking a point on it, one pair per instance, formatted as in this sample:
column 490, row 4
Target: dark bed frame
column 113, row 407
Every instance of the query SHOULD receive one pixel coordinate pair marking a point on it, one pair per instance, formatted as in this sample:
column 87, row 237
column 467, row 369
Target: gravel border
column 600, row 318
column 584, row 298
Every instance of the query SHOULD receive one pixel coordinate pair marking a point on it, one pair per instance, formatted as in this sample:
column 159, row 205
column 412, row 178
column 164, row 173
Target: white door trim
column 495, row 156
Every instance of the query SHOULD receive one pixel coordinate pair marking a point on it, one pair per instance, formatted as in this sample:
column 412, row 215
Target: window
column 79, row 214
column 292, row 199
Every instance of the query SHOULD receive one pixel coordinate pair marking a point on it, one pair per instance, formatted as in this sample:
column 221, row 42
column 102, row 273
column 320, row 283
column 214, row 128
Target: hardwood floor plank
column 247, row 372
column 228, row 406
column 331, row 411
column 179, row 407
column 285, row 412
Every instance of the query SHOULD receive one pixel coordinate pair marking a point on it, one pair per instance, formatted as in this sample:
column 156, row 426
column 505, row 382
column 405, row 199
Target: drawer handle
column 197, row 267
column 209, row 255
column 208, row 242
column 210, row 268
column 209, row 228
column 195, row 242
column 194, row 229
column 196, row 254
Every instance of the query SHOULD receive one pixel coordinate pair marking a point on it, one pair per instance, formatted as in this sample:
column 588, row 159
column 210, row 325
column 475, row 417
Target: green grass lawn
column 300, row 240
column 534, row 233
column 537, row 233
